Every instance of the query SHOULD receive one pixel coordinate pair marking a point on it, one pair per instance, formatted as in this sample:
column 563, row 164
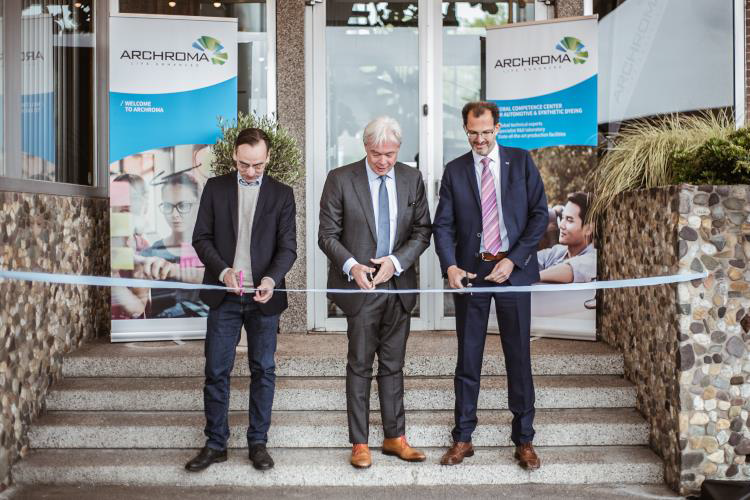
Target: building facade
column 323, row 68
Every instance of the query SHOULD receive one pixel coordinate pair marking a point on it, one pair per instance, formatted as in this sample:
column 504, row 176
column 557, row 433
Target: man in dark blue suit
column 489, row 220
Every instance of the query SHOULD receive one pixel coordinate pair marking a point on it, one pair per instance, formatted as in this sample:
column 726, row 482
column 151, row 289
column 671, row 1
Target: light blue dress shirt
column 374, row 181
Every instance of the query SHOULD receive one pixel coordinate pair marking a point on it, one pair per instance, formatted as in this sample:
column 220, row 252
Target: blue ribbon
column 76, row 279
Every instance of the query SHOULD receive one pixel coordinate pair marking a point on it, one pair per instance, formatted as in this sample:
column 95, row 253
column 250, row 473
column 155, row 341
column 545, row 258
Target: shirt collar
column 371, row 175
column 494, row 156
column 244, row 183
column 588, row 249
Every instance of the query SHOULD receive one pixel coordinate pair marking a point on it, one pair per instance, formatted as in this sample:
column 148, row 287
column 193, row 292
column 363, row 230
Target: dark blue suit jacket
column 458, row 219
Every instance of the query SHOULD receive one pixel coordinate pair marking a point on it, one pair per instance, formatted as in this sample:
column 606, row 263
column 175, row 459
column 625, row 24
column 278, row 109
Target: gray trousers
column 382, row 327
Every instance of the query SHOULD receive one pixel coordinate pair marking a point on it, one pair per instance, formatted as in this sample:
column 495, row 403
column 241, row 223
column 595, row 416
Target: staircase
column 131, row 414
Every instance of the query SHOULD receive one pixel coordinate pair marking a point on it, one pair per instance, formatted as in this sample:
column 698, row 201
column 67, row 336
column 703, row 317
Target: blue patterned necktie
column 245, row 183
column 384, row 220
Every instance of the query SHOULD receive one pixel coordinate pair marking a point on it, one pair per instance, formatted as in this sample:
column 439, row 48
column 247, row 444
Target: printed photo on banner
column 154, row 197
column 543, row 77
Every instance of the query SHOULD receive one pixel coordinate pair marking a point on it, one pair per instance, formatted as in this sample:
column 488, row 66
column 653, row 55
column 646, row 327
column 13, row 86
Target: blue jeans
column 222, row 336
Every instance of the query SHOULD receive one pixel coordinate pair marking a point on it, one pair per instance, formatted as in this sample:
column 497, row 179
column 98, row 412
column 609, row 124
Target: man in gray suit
column 374, row 219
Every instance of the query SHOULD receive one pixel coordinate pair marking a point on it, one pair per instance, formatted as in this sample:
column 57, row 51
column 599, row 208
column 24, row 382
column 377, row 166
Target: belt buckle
column 484, row 258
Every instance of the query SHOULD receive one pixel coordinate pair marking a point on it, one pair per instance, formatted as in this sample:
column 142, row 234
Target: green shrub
column 716, row 161
column 645, row 154
column 286, row 158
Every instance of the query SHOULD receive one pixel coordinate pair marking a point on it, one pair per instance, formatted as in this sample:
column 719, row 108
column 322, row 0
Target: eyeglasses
column 487, row 134
column 182, row 207
column 258, row 166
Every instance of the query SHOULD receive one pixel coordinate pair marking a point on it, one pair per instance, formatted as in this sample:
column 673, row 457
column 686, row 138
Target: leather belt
column 492, row 257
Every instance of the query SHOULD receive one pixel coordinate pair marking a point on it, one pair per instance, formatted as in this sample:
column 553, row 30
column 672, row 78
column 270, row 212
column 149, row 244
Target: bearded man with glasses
column 489, row 220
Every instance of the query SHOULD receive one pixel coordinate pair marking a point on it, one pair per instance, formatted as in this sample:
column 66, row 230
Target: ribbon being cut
column 76, row 279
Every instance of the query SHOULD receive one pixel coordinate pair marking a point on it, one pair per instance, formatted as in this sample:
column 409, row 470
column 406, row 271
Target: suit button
column 476, row 254
column 479, row 235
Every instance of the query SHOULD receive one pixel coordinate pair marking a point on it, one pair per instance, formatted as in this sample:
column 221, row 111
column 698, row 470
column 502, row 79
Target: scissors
column 371, row 276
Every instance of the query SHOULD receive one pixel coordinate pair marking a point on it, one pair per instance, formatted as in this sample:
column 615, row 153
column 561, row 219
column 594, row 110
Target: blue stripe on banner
column 74, row 279
column 38, row 125
column 139, row 122
column 567, row 117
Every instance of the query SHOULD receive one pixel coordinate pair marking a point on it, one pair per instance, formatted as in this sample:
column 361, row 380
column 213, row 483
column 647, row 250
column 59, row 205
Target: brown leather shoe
column 400, row 448
column 456, row 454
column 361, row 458
column 526, row 456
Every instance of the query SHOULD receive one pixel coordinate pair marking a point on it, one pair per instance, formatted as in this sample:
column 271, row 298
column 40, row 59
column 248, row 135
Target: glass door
column 366, row 64
column 417, row 61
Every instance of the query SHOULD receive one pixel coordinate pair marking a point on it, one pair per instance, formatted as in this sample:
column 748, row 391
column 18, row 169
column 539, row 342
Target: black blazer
column 273, row 246
column 458, row 218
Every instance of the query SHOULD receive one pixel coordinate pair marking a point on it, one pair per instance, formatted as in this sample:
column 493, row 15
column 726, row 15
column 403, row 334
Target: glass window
column 657, row 58
column 372, row 69
column 252, row 49
column 57, row 92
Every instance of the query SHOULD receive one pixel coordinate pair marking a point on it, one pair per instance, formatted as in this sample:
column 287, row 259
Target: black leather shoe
column 259, row 457
column 206, row 457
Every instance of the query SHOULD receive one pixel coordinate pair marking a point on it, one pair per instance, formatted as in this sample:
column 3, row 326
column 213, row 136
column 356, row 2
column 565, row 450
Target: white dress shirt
column 494, row 167
column 374, row 181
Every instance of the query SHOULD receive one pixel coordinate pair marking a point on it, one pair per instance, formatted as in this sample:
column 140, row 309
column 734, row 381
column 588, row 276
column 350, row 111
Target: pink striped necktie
column 490, row 216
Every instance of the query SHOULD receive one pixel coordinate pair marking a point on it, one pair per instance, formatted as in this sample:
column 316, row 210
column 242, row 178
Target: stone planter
column 686, row 346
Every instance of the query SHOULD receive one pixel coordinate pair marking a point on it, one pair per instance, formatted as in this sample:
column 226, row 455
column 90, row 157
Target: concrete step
column 309, row 393
column 324, row 355
column 593, row 427
column 609, row 491
column 330, row 467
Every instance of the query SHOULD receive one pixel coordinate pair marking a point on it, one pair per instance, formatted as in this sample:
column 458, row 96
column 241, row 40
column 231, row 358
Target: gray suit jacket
column 347, row 229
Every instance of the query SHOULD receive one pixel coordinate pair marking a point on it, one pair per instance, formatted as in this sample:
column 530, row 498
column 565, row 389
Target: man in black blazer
column 245, row 226
column 489, row 220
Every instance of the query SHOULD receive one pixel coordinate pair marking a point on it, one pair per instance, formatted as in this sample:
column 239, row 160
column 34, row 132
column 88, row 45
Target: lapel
column 362, row 188
column 233, row 202
column 471, row 177
column 504, row 166
column 263, row 194
column 402, row 198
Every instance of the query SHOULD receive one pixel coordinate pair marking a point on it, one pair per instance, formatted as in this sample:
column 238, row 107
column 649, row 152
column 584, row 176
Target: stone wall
column 38, row 322
column 568, row 8
column 686, row 345
column 638, row 237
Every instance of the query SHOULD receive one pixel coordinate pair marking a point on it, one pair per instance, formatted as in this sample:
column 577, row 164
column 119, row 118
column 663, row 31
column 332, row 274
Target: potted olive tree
column 286, row 157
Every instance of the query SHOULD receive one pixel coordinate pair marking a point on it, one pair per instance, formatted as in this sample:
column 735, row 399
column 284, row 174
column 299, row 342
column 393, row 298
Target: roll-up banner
column 171, row 78
column 543, row 77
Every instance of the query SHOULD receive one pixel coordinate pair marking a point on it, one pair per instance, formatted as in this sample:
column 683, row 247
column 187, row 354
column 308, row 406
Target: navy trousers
column 222, row 336
column 514, row 318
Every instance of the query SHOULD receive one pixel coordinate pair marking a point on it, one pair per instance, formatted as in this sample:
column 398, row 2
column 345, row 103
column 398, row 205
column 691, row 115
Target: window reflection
column 57, row 91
